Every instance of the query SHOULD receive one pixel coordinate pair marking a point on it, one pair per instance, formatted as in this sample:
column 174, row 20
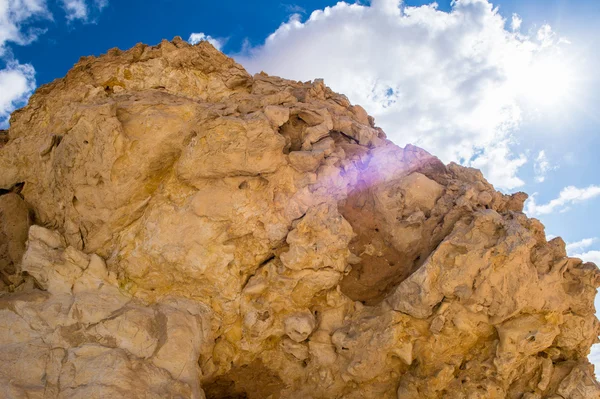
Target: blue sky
column 508, row 86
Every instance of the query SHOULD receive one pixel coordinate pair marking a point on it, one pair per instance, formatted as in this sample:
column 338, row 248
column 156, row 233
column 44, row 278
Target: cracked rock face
column 171, row 226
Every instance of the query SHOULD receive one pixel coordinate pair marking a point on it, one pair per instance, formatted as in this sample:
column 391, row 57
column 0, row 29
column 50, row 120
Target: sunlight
column 547, row 82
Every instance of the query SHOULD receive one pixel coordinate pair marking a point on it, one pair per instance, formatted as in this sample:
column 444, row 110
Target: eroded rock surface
column 200, row 232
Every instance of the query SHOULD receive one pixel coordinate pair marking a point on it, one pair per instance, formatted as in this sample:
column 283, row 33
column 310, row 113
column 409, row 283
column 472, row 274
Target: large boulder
column 200, row 232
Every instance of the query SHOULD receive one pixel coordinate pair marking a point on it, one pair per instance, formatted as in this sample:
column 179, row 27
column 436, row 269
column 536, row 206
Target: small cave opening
column 293, row 131
column 16, row 188
column 3, row 137
column 382, row 266
column 249, row 381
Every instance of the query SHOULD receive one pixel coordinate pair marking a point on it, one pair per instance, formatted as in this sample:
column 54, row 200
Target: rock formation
column 172, row 227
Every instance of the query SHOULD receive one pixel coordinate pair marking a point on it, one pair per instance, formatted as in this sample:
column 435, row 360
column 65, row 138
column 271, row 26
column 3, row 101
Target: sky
column 508, row 86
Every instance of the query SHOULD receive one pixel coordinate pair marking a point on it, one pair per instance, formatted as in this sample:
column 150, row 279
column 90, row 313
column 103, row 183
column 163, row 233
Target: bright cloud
column 17, row 82
column 500, row 155
column 81, row 9
column 579, row 245
column 568, row 196
column 450, row 82
column 516, row 22
column 542, row 166
column 590, row 256
column 546, row 36
column 198, row 37
column 75, row 9
column 14, row 15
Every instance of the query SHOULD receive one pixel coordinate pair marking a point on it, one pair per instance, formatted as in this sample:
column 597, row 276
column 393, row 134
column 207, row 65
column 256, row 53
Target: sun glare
column 547, row 82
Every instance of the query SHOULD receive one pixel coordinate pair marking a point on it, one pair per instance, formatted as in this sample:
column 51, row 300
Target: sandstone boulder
column 183, row 229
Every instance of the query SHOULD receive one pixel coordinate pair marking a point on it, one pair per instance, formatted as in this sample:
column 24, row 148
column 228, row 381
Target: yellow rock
column 200, row 232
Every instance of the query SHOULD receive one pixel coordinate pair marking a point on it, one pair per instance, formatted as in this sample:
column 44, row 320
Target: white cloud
column 542, row 166
column 101, row 3
column 294, row 8
column 14, row 15
column 75, row 9
column 198, row 37
column 387, row 7
column 81, row 9
column 546, row 36
column 590, row 256
column 17, row 82
column 447, row 81
column 568, row 195
column 515, row 23
column 499, row 155
column 573, row 247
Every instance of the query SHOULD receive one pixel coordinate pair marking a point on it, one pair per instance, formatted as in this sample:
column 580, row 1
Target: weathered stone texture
column 171, row 226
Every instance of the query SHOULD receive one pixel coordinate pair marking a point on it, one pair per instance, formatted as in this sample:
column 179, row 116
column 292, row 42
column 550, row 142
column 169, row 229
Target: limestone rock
column 14, row 224
column 90, row 336
column 171, row 226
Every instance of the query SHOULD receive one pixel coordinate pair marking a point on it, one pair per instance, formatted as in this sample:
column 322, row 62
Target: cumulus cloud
column 573, row 247
column 516, row 22
column 198, row 37
column 17, row 82
column 81, row 9
column 499, row 165
column 590, row 256
column 75, row 9
column 568, row 196
column 446, row 81
column 542, row 166
column 14, row 18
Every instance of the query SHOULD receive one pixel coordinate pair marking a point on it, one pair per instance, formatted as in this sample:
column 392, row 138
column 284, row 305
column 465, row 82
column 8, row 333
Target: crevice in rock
column 3, row 138
column 293, row 131
column 335, row 134
column 55, row 141
column 389, row 252
column 249, row 381
column 263, row 263
column 159, row 324
column 16, row 188
column 382, row 267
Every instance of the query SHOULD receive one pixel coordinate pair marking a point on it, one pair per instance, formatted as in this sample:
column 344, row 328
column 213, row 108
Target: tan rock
column 277, row 115
column 209, row 233
column 85, row 336
column 14, row 225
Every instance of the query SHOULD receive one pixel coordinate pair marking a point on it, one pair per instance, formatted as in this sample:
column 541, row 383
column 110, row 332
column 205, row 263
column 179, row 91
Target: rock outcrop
column 171, row 226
